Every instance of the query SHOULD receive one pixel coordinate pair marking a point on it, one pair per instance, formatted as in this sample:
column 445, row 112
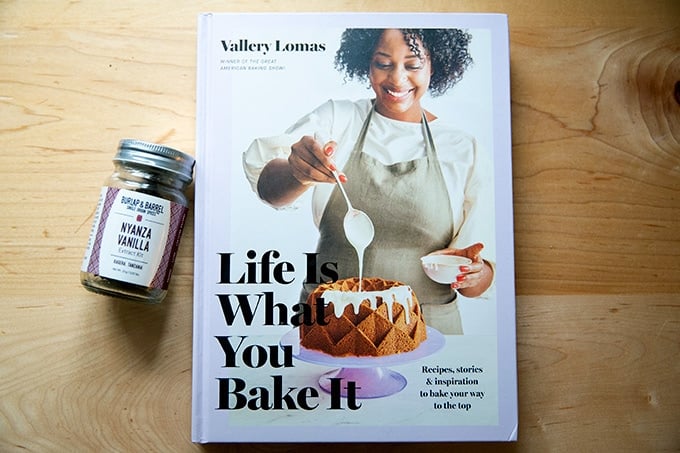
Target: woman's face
column 398, row 77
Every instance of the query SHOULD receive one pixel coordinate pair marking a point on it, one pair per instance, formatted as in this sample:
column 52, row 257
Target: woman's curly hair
column 447, row 48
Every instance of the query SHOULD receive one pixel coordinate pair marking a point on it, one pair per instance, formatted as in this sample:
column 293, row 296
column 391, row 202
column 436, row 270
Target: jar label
column 134, row 238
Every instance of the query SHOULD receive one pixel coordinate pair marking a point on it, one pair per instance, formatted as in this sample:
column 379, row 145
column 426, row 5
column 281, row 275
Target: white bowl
column 443, row 268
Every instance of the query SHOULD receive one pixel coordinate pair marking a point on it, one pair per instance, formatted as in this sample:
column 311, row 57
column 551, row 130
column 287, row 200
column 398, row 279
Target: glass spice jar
column 138, row 222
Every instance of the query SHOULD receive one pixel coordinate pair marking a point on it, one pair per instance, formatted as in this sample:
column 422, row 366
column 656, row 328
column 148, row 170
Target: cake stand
column 372, row 377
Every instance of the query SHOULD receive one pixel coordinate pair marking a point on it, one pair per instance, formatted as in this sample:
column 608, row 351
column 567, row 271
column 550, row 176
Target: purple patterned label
column 177, row 215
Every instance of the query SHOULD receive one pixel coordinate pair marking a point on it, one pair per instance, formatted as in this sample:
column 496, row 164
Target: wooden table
column 596, row 132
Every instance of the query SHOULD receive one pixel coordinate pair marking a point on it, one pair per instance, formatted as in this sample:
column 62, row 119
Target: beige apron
column 410, row 209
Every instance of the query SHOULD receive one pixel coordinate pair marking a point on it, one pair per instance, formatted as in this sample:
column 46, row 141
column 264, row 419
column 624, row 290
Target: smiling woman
column 400, row 76
column 447, row 50
column 398, row 161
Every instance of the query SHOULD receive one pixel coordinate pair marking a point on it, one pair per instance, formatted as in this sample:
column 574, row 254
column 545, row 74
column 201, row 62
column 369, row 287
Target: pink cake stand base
column 371, row 375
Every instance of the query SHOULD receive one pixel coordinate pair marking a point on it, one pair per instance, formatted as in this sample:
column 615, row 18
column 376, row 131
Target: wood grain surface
column 596, row 156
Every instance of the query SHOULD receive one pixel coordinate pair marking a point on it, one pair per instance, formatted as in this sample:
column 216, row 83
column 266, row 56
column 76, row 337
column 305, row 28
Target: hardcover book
column 354, row 269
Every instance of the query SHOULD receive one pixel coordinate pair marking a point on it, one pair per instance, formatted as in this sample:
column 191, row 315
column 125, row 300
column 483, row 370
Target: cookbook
column 354, row 268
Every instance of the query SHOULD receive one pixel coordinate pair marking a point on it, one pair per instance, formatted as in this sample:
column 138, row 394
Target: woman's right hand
column 311, row 161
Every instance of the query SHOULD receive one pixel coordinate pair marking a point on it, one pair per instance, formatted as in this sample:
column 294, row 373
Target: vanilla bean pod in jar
column 138, row 222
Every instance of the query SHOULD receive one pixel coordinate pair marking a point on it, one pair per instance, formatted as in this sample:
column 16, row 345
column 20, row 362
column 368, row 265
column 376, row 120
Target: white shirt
column 467, row 172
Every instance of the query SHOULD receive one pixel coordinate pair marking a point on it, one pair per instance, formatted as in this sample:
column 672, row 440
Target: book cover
column 346, row 164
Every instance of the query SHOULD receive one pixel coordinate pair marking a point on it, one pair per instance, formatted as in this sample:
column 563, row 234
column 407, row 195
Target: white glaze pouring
column 358, row 227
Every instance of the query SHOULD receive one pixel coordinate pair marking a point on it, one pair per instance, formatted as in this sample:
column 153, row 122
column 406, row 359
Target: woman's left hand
column 474, row 278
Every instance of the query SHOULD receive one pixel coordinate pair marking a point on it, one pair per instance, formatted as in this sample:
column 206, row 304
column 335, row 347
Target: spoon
column 358, row 228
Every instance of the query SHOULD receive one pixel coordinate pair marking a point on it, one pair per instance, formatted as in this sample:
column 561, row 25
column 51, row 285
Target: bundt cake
column 383, row 319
